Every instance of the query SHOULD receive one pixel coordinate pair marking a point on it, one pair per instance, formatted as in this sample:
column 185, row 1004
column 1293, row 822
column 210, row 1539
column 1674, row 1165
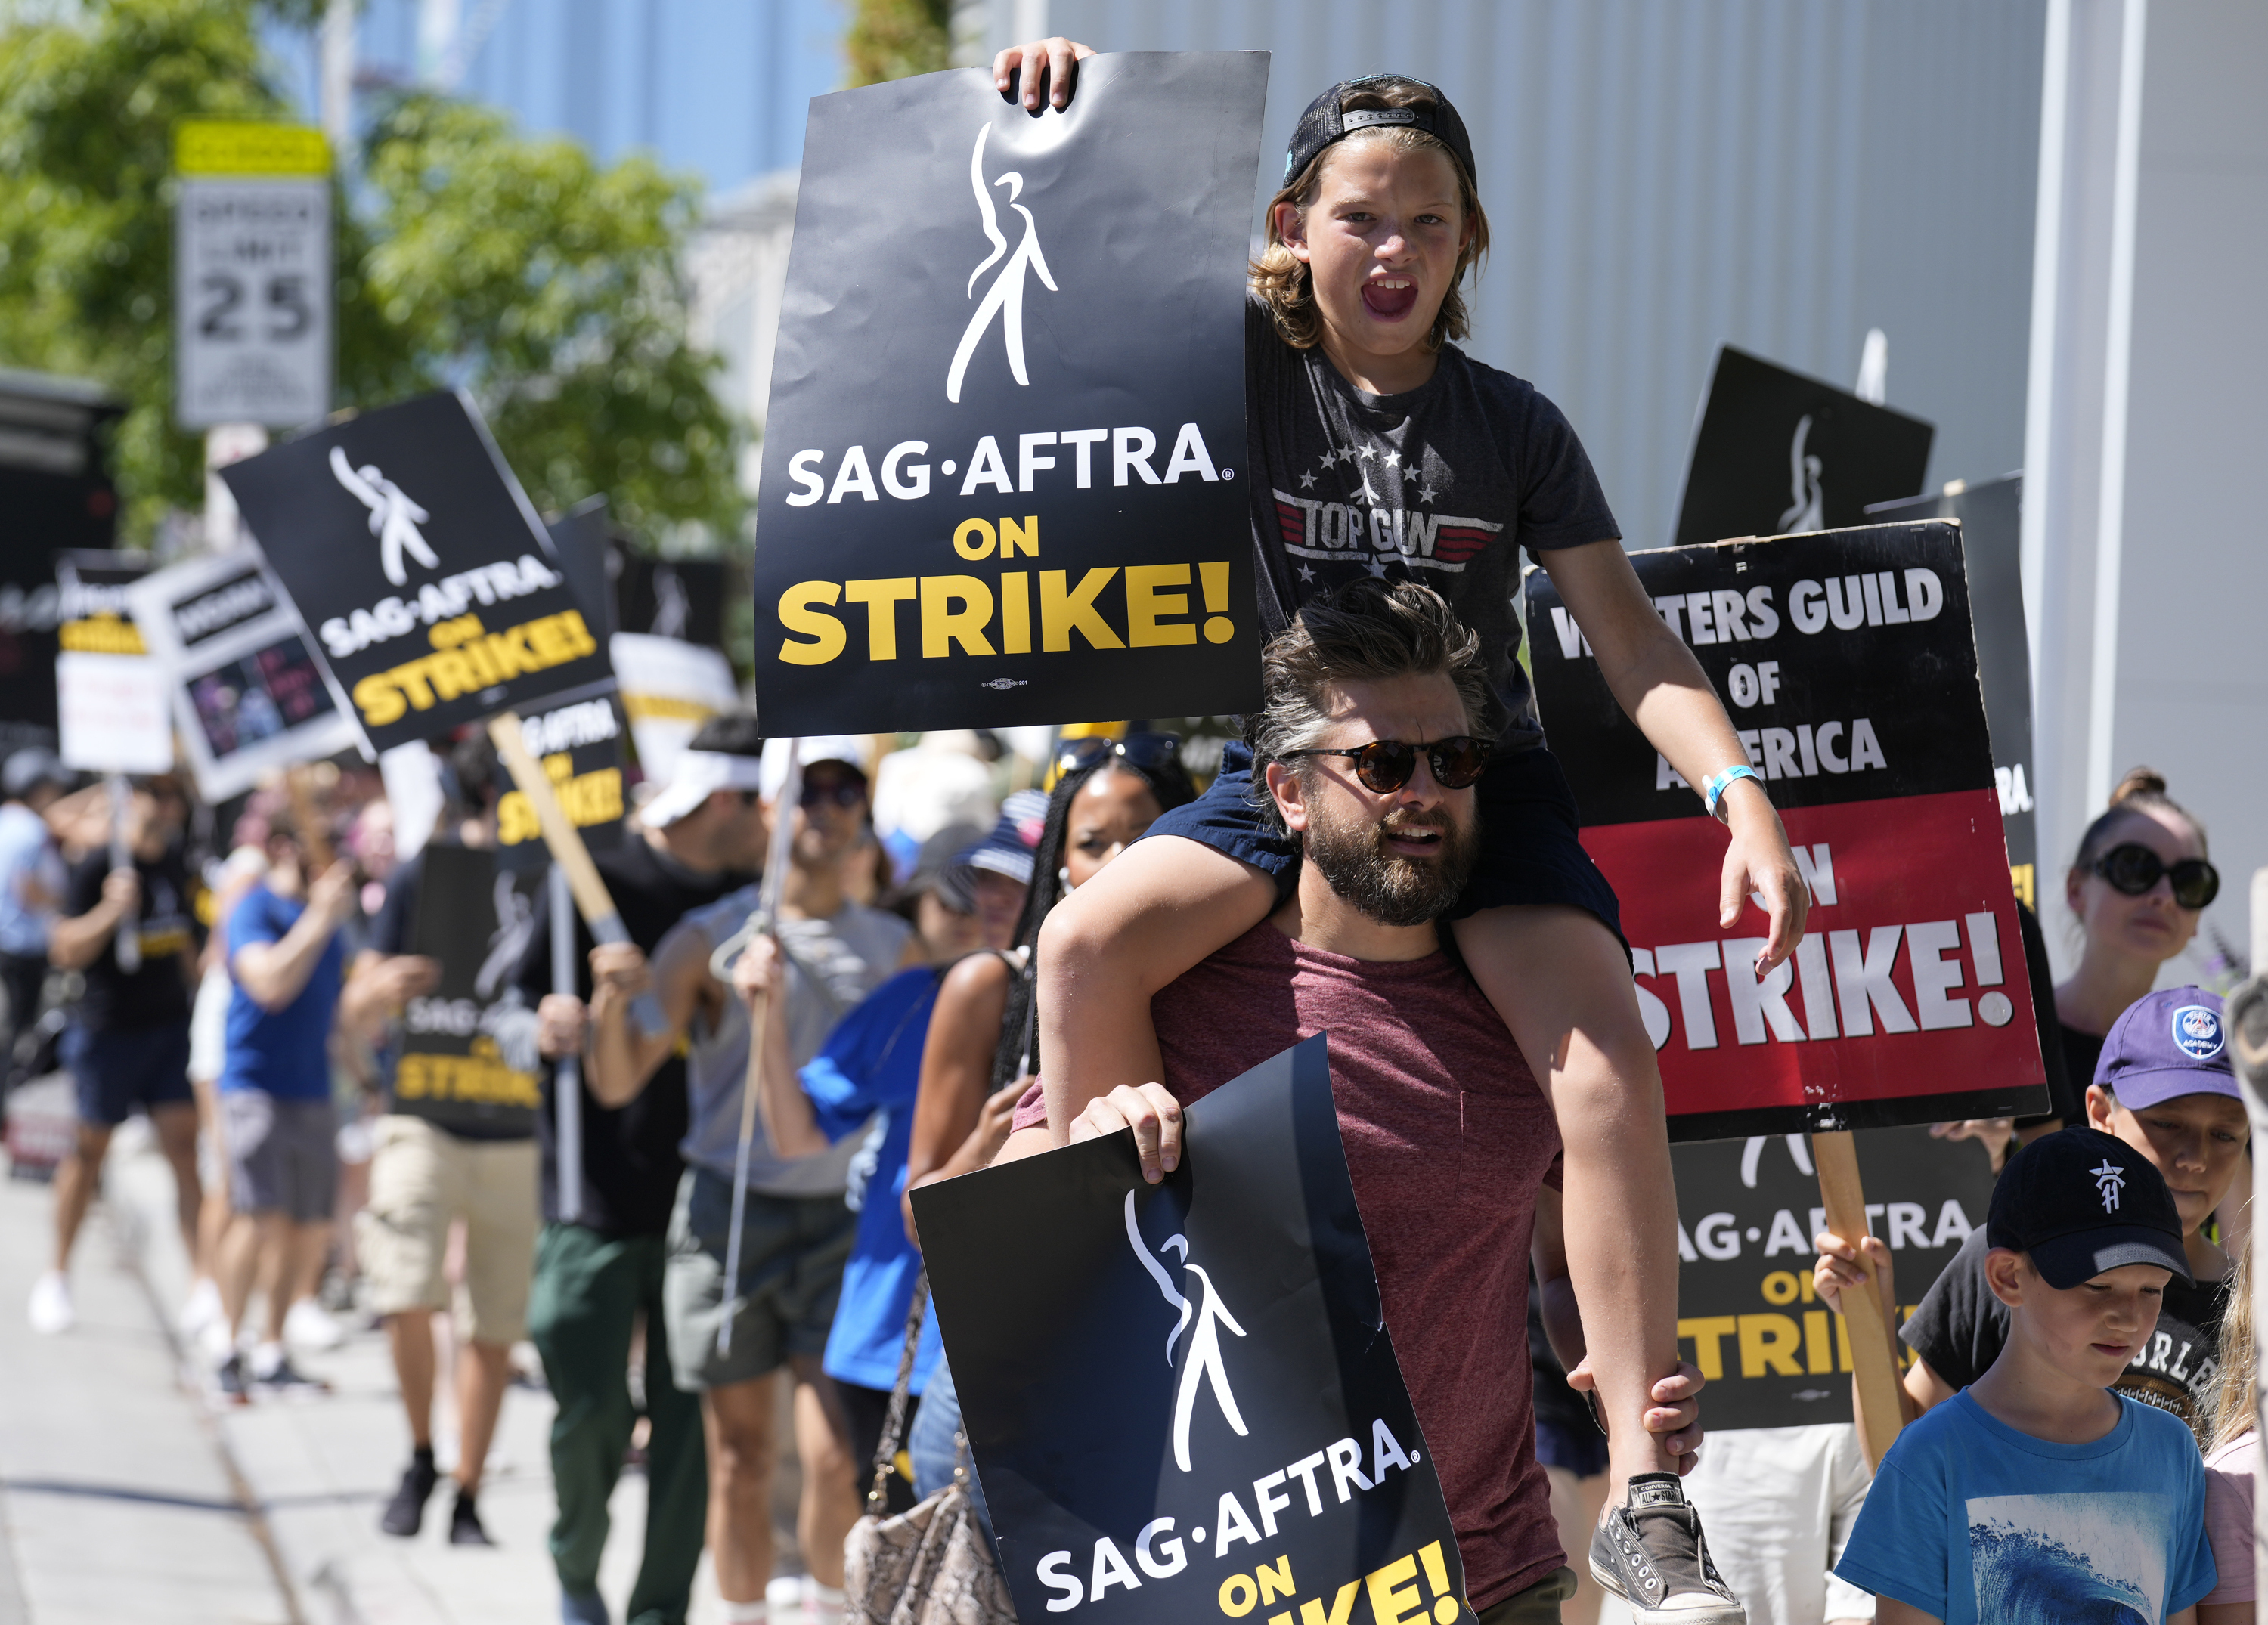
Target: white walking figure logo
column 1808, row 512
column 2109, row 1180
column 1205, row 1343
column 1005, row 296
column 394, row 516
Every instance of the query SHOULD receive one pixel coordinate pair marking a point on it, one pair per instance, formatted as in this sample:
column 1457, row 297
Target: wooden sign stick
column 568, row 851
column 1873, row 1352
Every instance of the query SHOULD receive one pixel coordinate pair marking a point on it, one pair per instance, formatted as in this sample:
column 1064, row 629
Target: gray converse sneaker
column 1650, row 1553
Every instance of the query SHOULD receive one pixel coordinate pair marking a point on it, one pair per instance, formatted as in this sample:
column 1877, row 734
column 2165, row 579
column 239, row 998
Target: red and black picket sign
column 1848, row 663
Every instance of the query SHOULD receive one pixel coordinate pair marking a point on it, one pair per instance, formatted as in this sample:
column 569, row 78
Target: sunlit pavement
column 127, row 1491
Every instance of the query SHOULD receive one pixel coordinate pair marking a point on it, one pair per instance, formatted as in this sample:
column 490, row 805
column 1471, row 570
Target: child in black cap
column 2035, row 1493
column 1377, row 448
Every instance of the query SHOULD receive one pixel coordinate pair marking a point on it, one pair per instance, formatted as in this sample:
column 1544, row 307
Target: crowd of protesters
column 1013, row 959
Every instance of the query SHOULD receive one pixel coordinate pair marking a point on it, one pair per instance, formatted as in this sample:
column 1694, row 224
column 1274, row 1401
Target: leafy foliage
column 473, row 257
column 895, row 39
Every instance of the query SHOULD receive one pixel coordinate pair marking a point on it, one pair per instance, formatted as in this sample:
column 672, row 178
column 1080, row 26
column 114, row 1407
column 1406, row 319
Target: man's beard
column 1351, row 855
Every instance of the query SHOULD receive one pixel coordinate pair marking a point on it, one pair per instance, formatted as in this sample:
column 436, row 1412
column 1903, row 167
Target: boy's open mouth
column 1391, row 299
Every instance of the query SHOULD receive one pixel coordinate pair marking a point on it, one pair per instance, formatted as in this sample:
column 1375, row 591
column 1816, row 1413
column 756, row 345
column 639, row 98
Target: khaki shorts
column 423, row 1179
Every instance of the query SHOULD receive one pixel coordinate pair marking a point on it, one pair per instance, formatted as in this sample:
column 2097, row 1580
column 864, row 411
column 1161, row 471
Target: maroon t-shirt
column 1448, row 1139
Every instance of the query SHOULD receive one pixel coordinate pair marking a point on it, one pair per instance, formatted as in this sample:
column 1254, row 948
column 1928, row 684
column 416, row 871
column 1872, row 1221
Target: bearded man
column 1368, row 746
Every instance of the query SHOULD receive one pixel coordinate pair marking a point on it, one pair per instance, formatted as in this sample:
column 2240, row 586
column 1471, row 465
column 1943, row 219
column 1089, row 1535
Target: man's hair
column 1369, row 630
column 730, row 733
column 1284, row 281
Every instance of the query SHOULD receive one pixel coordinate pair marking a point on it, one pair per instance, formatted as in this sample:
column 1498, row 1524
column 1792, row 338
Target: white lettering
column 1718, row 1237
column 1786, row 1236
column 1906, row 1221
column 1027, row 462
column 1690, row 962
column 1924, row 593
column 1269, row 1505
column 1070, row 1594
column 1864, row 981
column 1175, row 1558
column 1110, row 1569
column 1952, row 1226
column 1758, row 1002
column 1346, row 1467
column 853, row 475
column 1132, row 448
column 894, row 461
column 1232, row 1525
column 1935, row 976
column 1085, row 440
column 810, row 488
column 986, row 468
column 1190, row 456
column 1385, row 1451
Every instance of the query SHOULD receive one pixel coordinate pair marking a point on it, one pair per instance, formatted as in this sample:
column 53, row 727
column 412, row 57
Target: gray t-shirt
column 833, row 965
column 1443, row 484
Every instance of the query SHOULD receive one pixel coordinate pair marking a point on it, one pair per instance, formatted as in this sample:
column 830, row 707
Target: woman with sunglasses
column 982, row 1046
column 2138, row 885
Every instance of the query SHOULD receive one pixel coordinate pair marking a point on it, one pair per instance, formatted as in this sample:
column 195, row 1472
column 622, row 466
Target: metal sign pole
column 763, row 922
column 127, row 939
column 567, row 1073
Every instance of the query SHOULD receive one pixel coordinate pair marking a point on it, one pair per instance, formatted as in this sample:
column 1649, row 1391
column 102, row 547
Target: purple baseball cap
column 2171, row 1042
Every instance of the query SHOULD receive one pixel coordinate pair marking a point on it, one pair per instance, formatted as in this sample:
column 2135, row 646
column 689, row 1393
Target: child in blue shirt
column 2035, row 1495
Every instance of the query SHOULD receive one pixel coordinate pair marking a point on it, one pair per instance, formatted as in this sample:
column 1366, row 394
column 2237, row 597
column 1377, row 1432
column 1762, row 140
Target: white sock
column 823, row 1604
column 745, row 1612
column 266, row 1358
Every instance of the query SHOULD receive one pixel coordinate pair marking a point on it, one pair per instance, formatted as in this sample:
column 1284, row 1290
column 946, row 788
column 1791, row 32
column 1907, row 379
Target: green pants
column 589, row 1293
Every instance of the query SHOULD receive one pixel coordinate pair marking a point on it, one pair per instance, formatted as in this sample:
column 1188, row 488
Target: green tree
column 473, row 256
column 894, row 39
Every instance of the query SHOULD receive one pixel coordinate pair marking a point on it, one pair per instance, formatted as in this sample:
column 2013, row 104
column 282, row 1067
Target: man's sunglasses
column 1144, row 750
column 844, row 792
column 1386, row 765
column 2134, row 869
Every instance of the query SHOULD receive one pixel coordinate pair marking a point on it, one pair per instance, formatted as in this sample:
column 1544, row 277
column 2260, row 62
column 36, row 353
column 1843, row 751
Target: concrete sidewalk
column 116, row 1501
column 272, row 1508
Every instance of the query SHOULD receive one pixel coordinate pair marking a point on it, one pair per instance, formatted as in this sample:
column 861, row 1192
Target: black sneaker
column 230, row 1380
column 285, row 1379
column 407, row 1510
column 465, row 1524
column 1650, row 1553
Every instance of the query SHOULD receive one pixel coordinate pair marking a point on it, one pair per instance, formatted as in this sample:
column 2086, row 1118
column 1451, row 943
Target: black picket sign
column 413, row 557
column 1778, row 453
column 474, row 917
column 1002, row 454
column 1847, row 664
column 1180, row 1398
column 1771, row 1353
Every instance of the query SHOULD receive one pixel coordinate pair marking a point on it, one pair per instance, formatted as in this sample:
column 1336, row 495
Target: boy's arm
column 1656, row 680
column 1837, row 1272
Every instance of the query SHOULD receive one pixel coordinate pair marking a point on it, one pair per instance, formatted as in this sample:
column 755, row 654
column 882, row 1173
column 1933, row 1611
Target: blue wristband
column 1714, row 792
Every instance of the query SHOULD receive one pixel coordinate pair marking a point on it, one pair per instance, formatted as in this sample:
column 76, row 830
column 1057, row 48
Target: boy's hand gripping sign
column 1847, row 661
column 1002, row 475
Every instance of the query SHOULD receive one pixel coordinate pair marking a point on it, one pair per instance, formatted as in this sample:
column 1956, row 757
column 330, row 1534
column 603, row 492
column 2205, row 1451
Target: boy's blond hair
column 1283, row 280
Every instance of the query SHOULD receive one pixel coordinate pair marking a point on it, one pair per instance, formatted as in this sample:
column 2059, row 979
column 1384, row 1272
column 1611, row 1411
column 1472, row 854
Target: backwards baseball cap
column 2080, row 1202
column 2171, row 1042
column 1325, row 122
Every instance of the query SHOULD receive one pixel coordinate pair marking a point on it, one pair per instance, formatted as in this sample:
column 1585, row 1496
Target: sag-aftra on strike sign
column 1007, row 406
column 1848, row 664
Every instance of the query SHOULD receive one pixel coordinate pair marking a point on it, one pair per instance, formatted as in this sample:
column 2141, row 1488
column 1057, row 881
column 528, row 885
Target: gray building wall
column 1663, row 176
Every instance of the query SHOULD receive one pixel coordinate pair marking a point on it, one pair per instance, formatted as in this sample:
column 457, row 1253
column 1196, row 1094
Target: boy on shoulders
column 2035, row 1493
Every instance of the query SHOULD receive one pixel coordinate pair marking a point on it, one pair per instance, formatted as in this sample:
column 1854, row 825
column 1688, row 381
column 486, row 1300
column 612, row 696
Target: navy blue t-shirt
column 284, row 1052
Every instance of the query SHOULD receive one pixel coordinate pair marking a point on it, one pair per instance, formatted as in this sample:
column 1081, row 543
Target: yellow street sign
column 204, row 148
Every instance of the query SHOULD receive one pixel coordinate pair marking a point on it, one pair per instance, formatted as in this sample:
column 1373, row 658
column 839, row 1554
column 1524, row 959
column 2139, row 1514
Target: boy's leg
column 1160, row 908
column 1557, row 976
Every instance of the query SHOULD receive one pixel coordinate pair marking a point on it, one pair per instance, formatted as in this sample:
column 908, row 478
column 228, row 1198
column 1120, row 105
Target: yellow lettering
column 943, row 626
column 1015, row 614
column 1144, row 604
column 1063, row 612
column 452, row 634
column 1708, row 1353
column 554, row 645
column 1237, row 1607
column 516, row 820
column 973, row 539
column 797, row 613
column 1275, row 1579
column 882, row 596
column 1842, row 1344
column 1779, row 1287
column 505, row 655
column 102, row 634
column 1024, row 536
column 1391, row 1600
column 1818, row 1357
column 1768, row 1342
column 378, row 698
column 453, row 673
column 1311, row 1612
column 1218, row 628
column 578, row 634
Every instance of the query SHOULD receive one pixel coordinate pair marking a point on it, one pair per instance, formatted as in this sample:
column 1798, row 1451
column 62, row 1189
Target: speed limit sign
column 253, row 275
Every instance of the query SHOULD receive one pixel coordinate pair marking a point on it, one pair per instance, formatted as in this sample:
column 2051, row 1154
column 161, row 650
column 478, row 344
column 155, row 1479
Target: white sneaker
column 308, row 1325
column 823, row 1604
column 51, row 1308
column 202, row 1309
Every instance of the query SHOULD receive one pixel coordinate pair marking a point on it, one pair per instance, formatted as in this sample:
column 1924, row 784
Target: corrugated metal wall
column 1662, row 176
